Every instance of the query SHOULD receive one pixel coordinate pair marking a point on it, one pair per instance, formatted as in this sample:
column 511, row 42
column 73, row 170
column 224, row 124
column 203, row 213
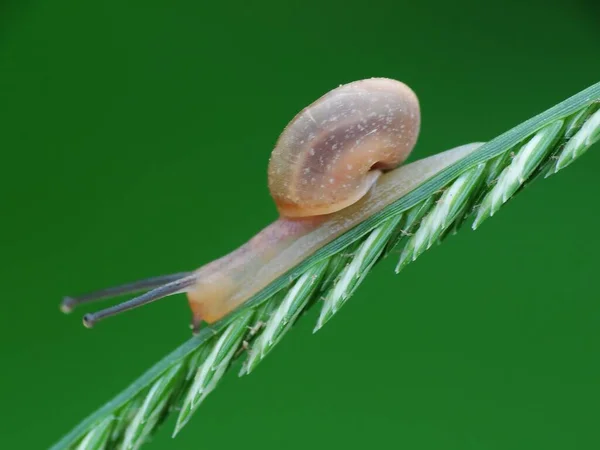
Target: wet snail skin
column 334, row 165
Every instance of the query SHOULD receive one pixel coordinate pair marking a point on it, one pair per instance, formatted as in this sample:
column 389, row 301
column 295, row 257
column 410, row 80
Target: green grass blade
column 350, row 277
column 543, row 144
column 97, row 437
column 442, row 215
column 581, row 141
column 521, row 167
column 213, row 367
column 287, row 313
column 142, row 423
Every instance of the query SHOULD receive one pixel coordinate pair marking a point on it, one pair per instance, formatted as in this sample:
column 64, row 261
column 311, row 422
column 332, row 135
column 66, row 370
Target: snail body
column 326, row 159
column 285, row 243
column 330, row 169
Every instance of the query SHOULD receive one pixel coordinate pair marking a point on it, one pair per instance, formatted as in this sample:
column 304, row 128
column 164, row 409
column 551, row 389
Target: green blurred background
column 134, row 140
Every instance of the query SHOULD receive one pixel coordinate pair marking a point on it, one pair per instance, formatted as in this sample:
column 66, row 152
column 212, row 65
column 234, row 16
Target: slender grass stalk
column 476, row 185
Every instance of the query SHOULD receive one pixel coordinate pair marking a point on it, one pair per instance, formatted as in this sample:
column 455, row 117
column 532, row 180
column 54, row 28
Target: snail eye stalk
column 158, row 287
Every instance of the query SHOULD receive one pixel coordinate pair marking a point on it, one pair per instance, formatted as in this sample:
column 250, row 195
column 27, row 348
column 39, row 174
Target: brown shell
column 333, row 151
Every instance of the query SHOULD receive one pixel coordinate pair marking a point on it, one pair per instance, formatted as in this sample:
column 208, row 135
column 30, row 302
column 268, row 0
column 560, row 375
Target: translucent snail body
column 226, row 283
column 331, row 168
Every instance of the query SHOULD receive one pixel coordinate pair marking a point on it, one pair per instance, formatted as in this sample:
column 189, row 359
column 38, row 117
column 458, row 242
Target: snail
column 335, row 164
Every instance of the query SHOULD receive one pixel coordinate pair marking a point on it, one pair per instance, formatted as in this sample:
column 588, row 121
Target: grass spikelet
column 478, row 184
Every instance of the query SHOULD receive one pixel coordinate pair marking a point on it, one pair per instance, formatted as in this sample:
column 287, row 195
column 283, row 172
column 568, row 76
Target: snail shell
column 333, row 151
